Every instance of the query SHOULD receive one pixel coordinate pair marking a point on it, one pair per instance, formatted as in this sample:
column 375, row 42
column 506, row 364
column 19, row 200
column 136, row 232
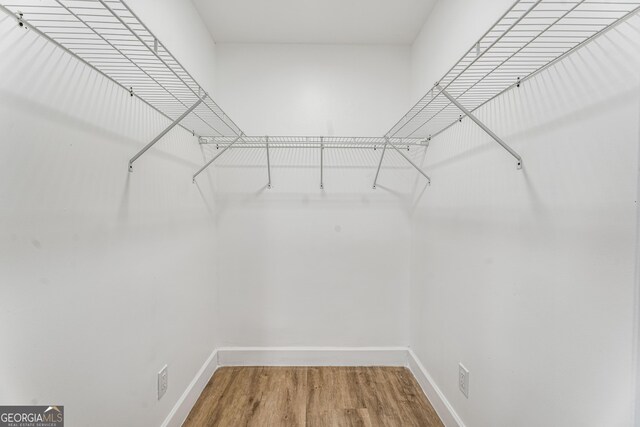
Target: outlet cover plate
column 163, row 381
column 463, row 380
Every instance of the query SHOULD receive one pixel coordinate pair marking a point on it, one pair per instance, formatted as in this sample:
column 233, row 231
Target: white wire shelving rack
column 530, row 37
column 108, row 36
column 341, row 142
column 319, row 143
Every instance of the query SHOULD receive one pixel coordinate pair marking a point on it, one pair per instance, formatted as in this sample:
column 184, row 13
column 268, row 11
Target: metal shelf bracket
column 268, row 164
column 210, row 162
column 384, row 149
column 165, row 131
column 375, row 181
column 322, row 163
column 481, row 125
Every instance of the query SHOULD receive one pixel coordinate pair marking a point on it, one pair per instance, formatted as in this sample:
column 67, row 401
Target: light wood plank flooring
column 314, row 397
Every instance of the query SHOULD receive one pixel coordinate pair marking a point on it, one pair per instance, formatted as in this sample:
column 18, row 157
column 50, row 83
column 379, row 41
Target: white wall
column 104, row 276
column 299, row 266
column 299, row 89
column 300, row 269
column 527, row 277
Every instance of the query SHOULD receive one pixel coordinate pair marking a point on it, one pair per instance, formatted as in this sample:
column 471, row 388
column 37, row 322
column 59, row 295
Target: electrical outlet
column 163, row 381
column 463, row 380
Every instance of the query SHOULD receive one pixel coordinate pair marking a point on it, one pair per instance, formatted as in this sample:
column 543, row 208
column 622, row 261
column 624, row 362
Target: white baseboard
column 184, row 405
column 439, row 402
column 313, row 356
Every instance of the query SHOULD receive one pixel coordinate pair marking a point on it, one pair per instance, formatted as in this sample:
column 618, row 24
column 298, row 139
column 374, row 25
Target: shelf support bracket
column 216, row 157
column 322, row 163
column 386, row 141
column 384, row 149
column 481, row 125
column 412, row 164
column 165, row 131
column 268, row 164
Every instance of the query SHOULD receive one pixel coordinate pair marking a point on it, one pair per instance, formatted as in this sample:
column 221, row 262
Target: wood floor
column 314, row 397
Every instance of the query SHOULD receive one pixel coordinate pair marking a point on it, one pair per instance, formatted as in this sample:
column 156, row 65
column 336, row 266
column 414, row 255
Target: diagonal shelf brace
column 321, row 163
column 216, row 157
column 481, row 125
column 403, row 155
column 412, row 164
column 165, row 131
column 268, row 164
column 384, row 149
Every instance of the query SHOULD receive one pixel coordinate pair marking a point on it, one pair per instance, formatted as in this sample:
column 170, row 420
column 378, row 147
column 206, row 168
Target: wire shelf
column 343, row 142
column 529, row 37
column 109, row 37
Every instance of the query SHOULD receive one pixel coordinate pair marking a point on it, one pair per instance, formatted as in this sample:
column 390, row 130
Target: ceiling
column 314, row 21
